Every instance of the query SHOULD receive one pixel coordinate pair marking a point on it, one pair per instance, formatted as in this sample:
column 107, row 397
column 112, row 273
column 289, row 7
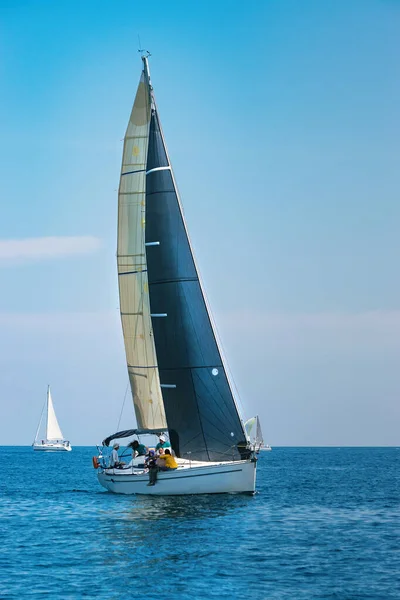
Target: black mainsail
column 200, row 409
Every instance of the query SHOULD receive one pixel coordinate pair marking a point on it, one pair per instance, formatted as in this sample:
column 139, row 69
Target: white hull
column 195, row 478
column 51, row 448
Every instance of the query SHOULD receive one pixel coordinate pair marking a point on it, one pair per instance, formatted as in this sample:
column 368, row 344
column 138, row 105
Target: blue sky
column 282, row 123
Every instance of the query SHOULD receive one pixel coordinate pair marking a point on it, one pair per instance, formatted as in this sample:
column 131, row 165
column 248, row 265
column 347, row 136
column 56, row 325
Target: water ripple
column 325, row 524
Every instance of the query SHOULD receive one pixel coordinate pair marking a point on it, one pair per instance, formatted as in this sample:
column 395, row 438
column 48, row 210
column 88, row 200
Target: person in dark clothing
column 151, row 463
column 137, row 449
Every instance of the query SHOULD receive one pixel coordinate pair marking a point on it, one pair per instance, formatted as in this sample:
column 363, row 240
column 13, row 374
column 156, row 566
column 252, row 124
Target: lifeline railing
column 105, row 460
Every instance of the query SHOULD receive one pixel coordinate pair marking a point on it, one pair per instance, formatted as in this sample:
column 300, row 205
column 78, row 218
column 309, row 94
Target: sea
column 324, row 523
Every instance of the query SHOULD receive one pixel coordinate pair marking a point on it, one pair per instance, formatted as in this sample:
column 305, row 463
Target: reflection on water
column 147, row 524
column 185, row 507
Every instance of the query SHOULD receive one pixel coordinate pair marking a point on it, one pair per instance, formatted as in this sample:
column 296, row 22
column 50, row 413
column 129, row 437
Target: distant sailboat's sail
column 201, row 413
column 53, row 431
column 132, row 275
column 254, row 433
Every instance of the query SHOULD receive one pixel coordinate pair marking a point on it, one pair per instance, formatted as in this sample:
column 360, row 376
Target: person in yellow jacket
column 170, row 462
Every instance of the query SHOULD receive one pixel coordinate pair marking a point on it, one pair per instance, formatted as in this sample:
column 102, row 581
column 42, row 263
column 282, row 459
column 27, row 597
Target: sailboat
column 179, row 383
column 54, row 440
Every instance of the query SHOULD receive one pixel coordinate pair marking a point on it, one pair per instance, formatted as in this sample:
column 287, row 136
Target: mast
column 202, row 415
column 146, row 71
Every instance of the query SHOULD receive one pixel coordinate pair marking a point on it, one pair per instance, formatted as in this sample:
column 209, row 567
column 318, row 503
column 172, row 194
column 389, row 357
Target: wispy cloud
column 46, row 248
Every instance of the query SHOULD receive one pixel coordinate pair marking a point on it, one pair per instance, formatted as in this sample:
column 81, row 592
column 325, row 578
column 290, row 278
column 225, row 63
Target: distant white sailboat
column 54, row 440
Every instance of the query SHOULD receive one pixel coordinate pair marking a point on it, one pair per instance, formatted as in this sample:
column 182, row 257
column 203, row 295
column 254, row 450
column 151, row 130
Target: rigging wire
column 40, row 420
column 122, row 409
column 142, row 51
column 235, row 390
